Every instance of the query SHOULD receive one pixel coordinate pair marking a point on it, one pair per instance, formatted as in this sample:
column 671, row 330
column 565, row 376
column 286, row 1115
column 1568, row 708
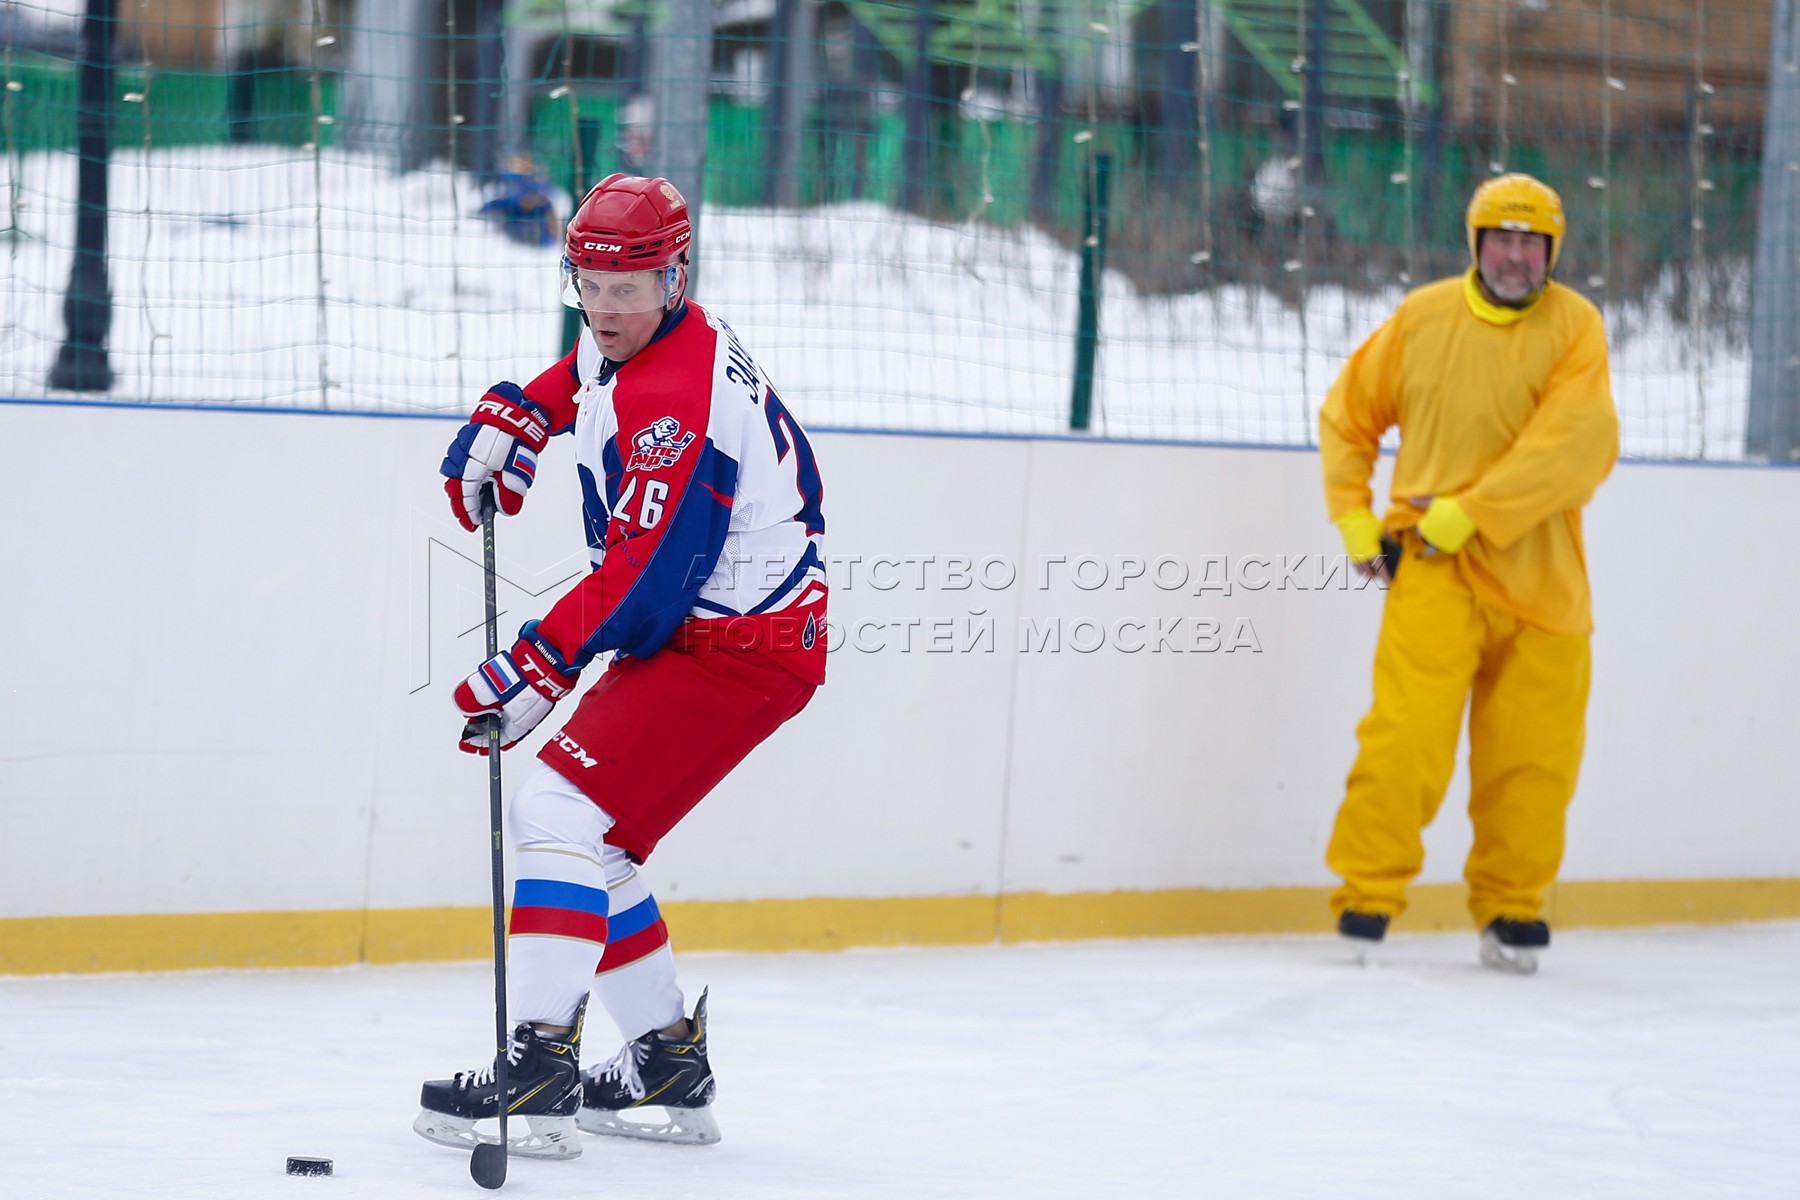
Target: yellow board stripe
column 190, row 941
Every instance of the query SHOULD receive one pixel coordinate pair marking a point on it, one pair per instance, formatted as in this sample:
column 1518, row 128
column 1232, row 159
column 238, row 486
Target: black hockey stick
column 487, row 1166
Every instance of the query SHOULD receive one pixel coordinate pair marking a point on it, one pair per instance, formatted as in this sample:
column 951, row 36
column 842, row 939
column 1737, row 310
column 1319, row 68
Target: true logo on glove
column 510, row 417
column 542, row 679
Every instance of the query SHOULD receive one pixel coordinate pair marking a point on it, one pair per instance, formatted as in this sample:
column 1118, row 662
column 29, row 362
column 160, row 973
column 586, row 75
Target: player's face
column 621, row 291
column 623, row 308
column 1513, row 264
column 621, row 335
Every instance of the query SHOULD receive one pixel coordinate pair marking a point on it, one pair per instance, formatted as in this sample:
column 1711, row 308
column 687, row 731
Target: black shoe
column 1509, row 944
column 543, row 1085
column 1512, row 932
column 1363, row 926
column 655, row 1072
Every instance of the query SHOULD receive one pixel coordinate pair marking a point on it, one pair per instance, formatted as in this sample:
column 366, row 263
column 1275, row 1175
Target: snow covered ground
column 253, row 275
column 1643, row 1064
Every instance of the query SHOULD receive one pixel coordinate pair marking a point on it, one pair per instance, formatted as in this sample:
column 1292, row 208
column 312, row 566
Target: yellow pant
column 1438, row 646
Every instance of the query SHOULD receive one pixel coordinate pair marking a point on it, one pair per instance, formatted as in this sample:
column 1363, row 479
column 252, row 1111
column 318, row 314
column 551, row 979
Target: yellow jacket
column 1510, row 412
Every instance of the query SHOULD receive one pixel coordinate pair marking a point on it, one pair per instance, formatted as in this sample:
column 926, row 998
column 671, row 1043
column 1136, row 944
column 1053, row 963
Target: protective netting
column 354, row 204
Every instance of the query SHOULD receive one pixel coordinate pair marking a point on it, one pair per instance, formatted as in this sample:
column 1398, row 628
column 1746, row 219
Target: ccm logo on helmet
column 603, row 247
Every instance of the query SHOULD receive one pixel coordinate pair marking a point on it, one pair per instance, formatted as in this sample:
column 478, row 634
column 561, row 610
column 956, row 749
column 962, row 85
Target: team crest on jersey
column 658, row 446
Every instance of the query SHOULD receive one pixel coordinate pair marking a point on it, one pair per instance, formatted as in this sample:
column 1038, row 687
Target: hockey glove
column 517, row 687
column 1361, row 531
column 1366, row 543
column 501, row 442
column 1445, row 525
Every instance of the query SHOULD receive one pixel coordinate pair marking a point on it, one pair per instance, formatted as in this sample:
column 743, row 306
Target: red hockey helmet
column 629, row 223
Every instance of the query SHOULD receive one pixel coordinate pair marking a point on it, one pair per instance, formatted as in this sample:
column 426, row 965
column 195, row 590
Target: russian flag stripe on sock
column 559, row 909
column 554, row 893
column 623, row 951
column 558, row 922
column 641, row 915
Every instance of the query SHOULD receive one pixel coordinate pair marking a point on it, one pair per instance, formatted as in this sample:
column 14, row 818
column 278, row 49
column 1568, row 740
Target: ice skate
column 1508, row 944
column 543, row 1085
column 654, row 1072
column 1363, row 932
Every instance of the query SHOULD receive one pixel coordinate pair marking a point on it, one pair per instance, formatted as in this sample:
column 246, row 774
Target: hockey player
column 1498, row 383
column 703, row 511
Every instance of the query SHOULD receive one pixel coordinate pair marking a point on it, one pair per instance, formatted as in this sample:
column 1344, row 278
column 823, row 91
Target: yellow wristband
column 1361, row 531
column 1446, row 526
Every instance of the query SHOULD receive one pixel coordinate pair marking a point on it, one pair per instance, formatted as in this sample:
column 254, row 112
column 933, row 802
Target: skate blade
column 1512, row 960
column 684, row 1127
column 1363, row 952
column 547, row 1137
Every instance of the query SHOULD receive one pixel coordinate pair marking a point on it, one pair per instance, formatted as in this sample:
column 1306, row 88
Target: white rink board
column 232, row 635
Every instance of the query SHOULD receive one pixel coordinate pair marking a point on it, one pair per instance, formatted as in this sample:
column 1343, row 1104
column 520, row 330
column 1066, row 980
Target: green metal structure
column 1363, row 62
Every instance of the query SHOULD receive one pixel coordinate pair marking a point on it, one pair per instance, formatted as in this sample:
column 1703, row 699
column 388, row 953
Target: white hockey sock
column 560, row 901
column 642, row 996
column 637, row 974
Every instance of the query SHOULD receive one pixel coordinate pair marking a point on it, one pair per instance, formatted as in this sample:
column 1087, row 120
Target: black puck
column 301, row 1165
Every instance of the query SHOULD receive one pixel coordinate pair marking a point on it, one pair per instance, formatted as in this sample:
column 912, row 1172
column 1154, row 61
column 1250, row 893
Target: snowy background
column 250, row 275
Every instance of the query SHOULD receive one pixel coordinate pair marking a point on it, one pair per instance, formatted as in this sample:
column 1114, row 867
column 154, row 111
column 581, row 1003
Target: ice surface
column 1657, row 1063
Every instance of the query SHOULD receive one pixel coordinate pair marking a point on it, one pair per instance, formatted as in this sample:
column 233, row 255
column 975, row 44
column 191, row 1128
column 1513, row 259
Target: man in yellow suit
column 1499, row 385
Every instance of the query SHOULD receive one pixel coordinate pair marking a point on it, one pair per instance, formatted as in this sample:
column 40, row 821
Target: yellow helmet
column 1517, row 202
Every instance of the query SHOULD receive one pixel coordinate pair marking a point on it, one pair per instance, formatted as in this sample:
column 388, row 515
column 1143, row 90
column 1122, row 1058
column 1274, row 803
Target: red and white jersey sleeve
column 703, row 505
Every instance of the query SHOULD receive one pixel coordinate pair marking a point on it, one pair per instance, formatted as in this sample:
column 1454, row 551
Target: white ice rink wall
column 230, row 639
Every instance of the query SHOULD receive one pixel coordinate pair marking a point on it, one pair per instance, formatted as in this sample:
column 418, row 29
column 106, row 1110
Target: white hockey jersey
column 702, row 501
